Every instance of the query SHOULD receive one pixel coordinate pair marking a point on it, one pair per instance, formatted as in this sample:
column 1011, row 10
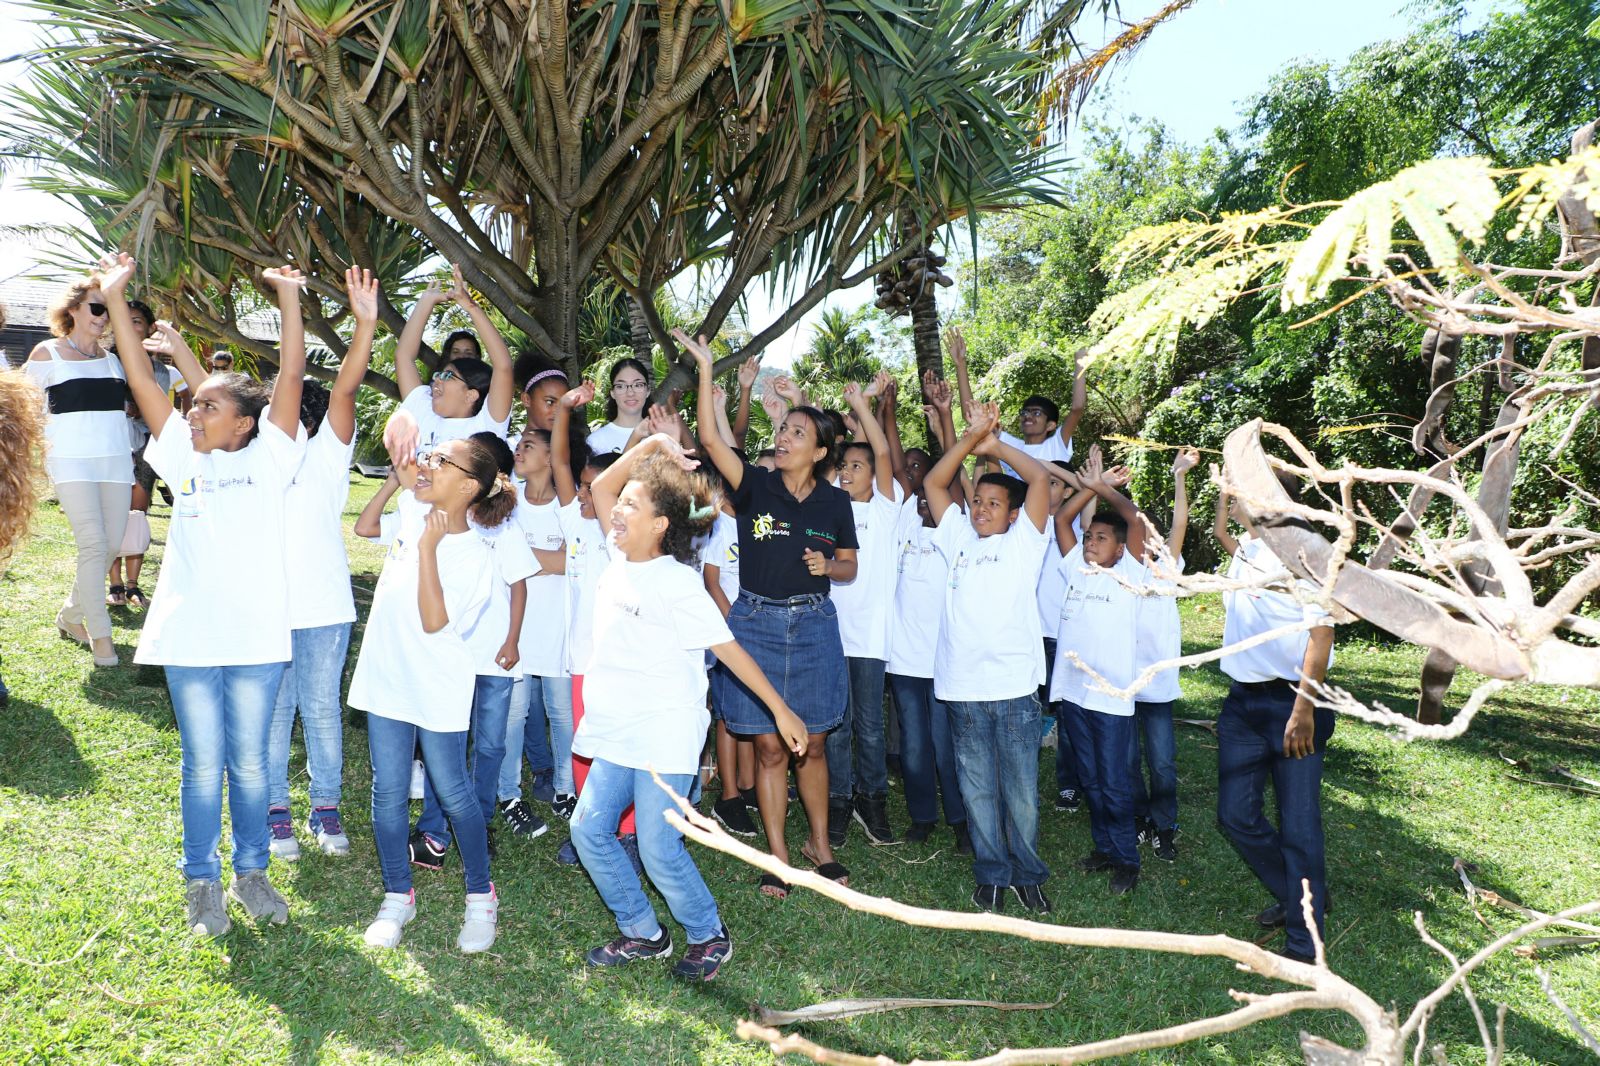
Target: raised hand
column 669, row 446
column 163, row 340
column 1093, row 467
column 939, row 394
column 115, row 271
column 400, row 438
column 458, row 288
column 1117, row 477
column 854, row 395
column 362, row 290
column 775, row 407
column 719, row 394
column 891, row 391
column 786, row 388
column 984, row 421
column 582, row 396
column 1187, row 459
column 284, row 280
column 749, row 370
column 957, row 345
column 698, row 347
column 433, row 295
column 880, row 382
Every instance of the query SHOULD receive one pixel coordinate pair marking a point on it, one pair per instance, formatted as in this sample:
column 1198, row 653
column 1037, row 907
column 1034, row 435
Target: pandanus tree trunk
column 639, row 332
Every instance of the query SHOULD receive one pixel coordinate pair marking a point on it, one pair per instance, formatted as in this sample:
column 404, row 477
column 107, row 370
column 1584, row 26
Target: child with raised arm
column 1160, row 639
column 321, row 606
column 1041, row 431
column 858, row 772
column 1096, row 634
column 645, row 703
column 416, row 672
column 990, row 660
column 797, row 535
column 231, row 462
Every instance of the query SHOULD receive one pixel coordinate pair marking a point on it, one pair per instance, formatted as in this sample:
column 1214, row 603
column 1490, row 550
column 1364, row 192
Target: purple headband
column 541, row 375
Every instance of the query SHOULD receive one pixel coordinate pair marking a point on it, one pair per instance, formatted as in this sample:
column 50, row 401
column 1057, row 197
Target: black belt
column 1273, row 685
column 787, row 601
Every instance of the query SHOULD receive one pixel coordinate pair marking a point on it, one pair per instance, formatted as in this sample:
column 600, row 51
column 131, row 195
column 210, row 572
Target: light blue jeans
column 392, row 744
column 311, row 685
column 607, row 792
column 224, row 716
column 536, row 702
column 491, row 696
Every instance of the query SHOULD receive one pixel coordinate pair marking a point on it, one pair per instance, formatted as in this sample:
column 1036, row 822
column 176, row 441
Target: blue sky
column 1194, row 75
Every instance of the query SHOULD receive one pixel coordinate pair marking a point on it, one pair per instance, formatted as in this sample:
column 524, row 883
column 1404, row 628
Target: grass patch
column 89, row 841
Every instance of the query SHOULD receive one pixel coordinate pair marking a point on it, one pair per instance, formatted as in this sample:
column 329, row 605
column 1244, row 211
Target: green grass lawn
column 89, row 838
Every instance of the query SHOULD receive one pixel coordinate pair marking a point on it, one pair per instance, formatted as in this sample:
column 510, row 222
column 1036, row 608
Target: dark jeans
column 392, row 744
column 1160, row 803
column 1104, row 747
column 860, row 767
column 1249, row 749
column 1066, row 765
column 491, row 703
column 927, row 751
column 997, row 761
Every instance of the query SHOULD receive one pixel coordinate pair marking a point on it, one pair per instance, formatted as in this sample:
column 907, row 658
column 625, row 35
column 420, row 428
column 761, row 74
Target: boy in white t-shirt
column 1095, row 636
column 988, row 665
column 1042, row 434
column 1052, row 586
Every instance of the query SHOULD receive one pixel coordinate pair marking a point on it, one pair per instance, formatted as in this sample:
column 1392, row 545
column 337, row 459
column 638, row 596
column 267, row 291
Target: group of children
column 572, row 598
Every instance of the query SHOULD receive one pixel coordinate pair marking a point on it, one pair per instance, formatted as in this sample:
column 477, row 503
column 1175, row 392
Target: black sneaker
column 919, row 832
column 1273, row 917
column 1095, row 862
column 488, row 833
column 543, row 787
column 873, row 814
column 1123, row 878
column 963, row 838
column 564, row 804
column 522, row 821
column 838, row 821
column 990, row 898
column 626, row 949
column 1146, row 831
column 567, row 854
column 702, row 961
column 749, row 801
column 734, row 816
column 1069, row 800
column 1166, row 850
column 427, row 852
column 1032, row 898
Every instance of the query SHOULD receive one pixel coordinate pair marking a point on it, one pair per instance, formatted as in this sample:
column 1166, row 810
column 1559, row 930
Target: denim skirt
column 796, row 643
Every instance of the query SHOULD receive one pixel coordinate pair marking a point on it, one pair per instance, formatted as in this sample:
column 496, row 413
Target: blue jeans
column 862, row 766
column 1104, row 747
column 607, row 792
column 311, row 685
column 997, row 762
column 1160, row 803
column 536, row 702
column 927, row 751
column 491, row 702
column 392, row 744
column 1066, row 765
column 1249, row 749
column 224, row 718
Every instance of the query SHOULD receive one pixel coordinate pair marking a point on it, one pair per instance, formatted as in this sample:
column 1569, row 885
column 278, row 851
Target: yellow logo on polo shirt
column 763, row 527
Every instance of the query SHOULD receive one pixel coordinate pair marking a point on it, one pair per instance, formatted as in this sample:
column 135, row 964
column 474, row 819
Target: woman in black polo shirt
column 797, row 534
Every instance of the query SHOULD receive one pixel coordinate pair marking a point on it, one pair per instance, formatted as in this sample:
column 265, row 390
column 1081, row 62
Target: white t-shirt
column 404, row 673
column 722, row 551
column 1051, row 449
column 319, row 594
column 920, row 573
column 609, row 438
column 866, row 603
column 1160, row 638
column 588, row 553
column 1098, row 621
column 644, row 687
column 1255, row 611
column 222, row 596
column 544, row 626
column 990, row 647
column 513, row 562
column 434, row 430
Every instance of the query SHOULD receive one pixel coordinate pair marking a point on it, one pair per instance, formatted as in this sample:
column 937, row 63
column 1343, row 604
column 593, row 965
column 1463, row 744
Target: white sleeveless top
column 87, row 430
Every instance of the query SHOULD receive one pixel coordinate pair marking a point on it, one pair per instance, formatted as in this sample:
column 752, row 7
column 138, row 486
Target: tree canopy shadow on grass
column 38, row 754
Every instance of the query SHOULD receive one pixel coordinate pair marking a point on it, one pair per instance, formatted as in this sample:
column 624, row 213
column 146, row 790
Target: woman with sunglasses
column 630, row 390
column 87, row 457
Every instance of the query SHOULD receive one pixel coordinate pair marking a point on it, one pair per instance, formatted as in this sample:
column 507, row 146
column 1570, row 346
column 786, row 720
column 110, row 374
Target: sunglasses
column 447, row 375
column 97, row 309
column 435, row 459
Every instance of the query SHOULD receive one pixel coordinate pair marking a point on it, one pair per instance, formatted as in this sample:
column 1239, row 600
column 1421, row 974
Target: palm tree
column 840, row 351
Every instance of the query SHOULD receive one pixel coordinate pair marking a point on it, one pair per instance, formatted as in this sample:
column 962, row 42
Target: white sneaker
column 418, row 775
column 478, row 928
column 326, row 826
column 398, row 908
column 280, row 832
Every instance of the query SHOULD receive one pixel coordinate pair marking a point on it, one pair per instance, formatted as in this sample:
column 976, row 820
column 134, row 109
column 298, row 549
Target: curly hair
column 313, row 405
column 21, row 451
column 62, row 306
column 489, row 460
column 687, row 499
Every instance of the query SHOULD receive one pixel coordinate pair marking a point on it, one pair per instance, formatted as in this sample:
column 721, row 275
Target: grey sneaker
column 325, row 825
column 260, row 900
column 280, row 831
column 478, row 926
column 207, row 910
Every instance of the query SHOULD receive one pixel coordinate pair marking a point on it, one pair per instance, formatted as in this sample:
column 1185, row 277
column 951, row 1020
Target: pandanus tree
column 541, row 145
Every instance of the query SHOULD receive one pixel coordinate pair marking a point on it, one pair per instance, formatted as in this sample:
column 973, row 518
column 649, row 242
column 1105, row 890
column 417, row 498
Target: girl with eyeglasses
column 231, row 462
column 630, row 391
column 87, row 457
column 416, row 673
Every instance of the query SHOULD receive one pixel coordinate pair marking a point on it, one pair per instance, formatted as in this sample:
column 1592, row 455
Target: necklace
column 79, row 350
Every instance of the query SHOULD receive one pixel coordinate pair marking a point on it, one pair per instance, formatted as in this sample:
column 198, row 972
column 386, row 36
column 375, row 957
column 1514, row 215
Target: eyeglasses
column 435, row 459
column 630, row 386
column 447, row 375
column 222, row 364
column 97, row 309
column 1034, row 412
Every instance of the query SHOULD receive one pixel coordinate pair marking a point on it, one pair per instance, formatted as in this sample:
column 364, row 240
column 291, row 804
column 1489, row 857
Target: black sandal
column 835, row 871
column 773, row 885
column 136, row 597
column 116, row 596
